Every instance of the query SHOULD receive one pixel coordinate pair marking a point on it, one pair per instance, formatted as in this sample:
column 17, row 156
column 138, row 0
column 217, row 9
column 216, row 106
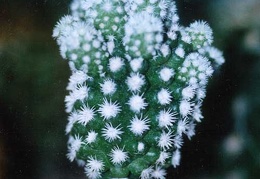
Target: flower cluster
column 138, row 81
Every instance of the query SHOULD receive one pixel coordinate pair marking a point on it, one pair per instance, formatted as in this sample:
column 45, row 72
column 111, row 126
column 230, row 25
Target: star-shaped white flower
column 178, row 141
column 188, row 92
column 91, row 137
column 139, row 125
column 176, row 157
column 77, row 78
column 71, row 120
column 94, row 165
column 92, row 174
column 182, row 126
column 74, row 144
column 164, row 96
column 108, row 87
column 191, row 130
column 118, row 156
column 166, row 74
column 159, row 173
column 86, row 114
column 197, row 114
column 109, row 109
column 165, row 140
column 115, row 64
column 163, row 157
column 146, row 173
column 166, row 118
column 135, row 81
column 136, row 64
column 137, row 103
column 111, row 133
column 78, row 93
column 185, row 108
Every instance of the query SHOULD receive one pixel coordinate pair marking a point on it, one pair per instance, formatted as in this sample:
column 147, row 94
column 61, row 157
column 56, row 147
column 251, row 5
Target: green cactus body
column 137, row 84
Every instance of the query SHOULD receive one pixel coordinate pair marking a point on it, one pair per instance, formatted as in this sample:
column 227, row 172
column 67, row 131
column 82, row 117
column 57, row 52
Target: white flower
column 193, row 81
column 77, row 78
column 76, row 142
column 185, row 108
column 201, row 93
column 163, row 4
column 146, row 173
column 111, row 133
column 108, row 87
column 190, row 130
column 172, row 31
column 176, row 157
column 197, row 114
column 69, row 101
column 184, row 69
column 137, row 103
column 136, row 64
column 94, row 165
column 166, row 74
column 162, row 158
column 192, row 58
column 215, row 54
column 73, row 57
column 118, row 156
column 193, row 72
column 165, row 140
column 115, row 64
column 71, row 120
column 92, row 174
column 165, row 50
column 178, row 141
column 149, row 9
column 188, row 92
column 135, row 81
column 203, row 79
column 139, row 125
column 180, row 52
column 86, row 114
column 166, row 118
column 109, row 109
column 188, row 59
column 164, row 96
column 78, row 93
column 91, row 137
column 107, row 6
column 74, row 145
column 81, row 92
column 159, row 173
column 110, row 46
column 71, row 155
column 185, row 36
column 182, row 126
column 209, row 71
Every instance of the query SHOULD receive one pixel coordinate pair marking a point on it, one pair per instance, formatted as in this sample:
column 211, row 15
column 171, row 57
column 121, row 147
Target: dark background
column 33, row 79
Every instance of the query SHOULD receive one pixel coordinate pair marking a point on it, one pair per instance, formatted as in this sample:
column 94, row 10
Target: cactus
column 137, row 85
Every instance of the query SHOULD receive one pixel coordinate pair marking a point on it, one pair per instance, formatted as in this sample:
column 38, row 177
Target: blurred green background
column 33, row 80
